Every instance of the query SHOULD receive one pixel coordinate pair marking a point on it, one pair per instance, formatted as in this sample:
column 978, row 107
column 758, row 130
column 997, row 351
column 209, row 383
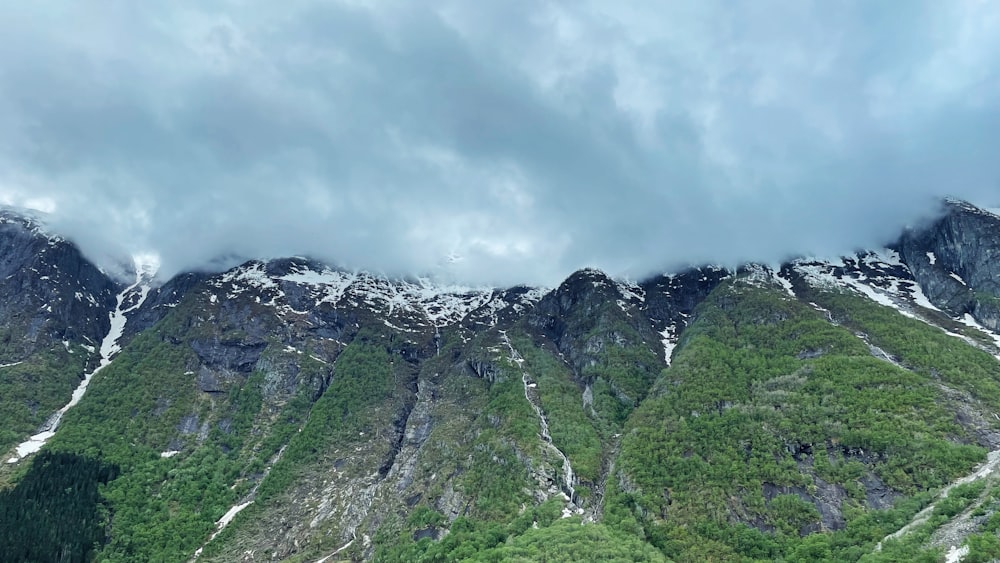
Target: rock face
column 343, row 403
column 48, row 291
column 956, row 259
column 577, row 318
column 671, row 299
column 159, row 302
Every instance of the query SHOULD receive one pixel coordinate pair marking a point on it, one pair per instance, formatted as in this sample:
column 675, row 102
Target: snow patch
column 765, row 276
column 233, row 511
column 145, row 267
column 169, row 453
column 932, row 258
column 956, row 554
column 568, row 491
column 883, row 278
column 630, row 290
column 880, row 276
column 330, row 285
column 339, row 549
column 669, row 336
column 785, row 283
column 229, row 515
column 420, row 301
column 970, row 321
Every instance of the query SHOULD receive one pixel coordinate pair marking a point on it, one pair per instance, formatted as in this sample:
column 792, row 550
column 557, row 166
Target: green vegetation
column 575, row 431
column 567, row 541
column 912, row 546
column 774, row 435
column 35, row 388
column 626, row 366
column 982, row 548
column 922, row 348
column 958, row 499
column 363, row 395
column 362, row 379
column 765, row 395
column 537, row 534
column 147, row 402
column 132, row 411
column 59, row 497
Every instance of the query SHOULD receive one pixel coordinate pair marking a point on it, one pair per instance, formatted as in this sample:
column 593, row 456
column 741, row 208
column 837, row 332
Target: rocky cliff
column 955, row 260
column 286, row 410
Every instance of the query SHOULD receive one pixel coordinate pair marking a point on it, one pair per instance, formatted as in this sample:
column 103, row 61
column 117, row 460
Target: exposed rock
column 394, row 464
column 431, row 533
column 586, row 316
column 207, row 381
column 48, row 291
column 670, row 300
column 485, row 370
column 188, row 424
column 160, row 301
column 281, row 377
column 829, row 498
column 239, row 356
column 971, row 415
column 812, row 353
column 956, row 259
column 878, row 495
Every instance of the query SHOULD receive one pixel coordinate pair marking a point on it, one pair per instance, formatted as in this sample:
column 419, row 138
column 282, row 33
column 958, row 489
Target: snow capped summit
column 296, row 286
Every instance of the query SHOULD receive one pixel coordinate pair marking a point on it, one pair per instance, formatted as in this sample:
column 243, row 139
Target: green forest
column 774, row 435
column 57, row 512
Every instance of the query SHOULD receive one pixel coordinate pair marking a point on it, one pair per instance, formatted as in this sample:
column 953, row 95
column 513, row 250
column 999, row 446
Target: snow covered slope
column 882, row 276
column 299, row 287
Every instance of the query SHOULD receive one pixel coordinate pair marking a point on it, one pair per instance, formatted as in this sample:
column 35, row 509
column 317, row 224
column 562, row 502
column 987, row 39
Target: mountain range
column 824, row 409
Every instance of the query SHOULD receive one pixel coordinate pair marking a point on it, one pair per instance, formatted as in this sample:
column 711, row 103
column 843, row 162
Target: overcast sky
column 496, row 141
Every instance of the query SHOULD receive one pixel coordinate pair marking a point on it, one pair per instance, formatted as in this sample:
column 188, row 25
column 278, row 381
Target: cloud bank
column 496, row 142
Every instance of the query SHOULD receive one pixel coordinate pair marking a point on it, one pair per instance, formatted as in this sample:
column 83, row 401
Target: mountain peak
column 956, row 205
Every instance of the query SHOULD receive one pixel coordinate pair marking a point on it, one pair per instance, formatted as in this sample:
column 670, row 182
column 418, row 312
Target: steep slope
column 54, row 312
column 129, row 300
column 955, row 261
column 257, row 376
column 818, row 398
column 291, row 411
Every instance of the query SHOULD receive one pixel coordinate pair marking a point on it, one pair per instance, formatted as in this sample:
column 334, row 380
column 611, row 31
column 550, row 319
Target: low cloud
column 496, row 142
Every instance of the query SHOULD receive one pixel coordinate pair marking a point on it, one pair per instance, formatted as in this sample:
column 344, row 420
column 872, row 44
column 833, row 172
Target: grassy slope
column 35, row 388
column 504, row 523
column 743, row 394
column 164, row 508
column 757, row 377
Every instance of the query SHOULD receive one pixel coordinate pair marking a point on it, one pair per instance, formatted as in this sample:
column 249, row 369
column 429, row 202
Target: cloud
column 496, row 142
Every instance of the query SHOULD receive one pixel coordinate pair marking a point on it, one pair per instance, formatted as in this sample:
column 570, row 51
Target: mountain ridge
column 318, row 412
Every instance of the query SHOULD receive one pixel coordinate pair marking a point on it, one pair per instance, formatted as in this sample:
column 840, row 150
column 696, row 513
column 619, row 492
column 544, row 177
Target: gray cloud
column 526, row 138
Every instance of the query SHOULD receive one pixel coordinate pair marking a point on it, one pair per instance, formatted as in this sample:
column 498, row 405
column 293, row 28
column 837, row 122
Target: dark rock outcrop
column 238, row 356
column 671, row 299
column 585, row 315
column 159, row 302
column 956, row 260
column 48, row 291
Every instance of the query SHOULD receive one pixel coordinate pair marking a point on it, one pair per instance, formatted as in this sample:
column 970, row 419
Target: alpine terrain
column 825, row 409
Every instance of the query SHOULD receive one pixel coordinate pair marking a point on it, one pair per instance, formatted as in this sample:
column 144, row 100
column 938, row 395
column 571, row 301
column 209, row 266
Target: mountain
column 840, row 409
